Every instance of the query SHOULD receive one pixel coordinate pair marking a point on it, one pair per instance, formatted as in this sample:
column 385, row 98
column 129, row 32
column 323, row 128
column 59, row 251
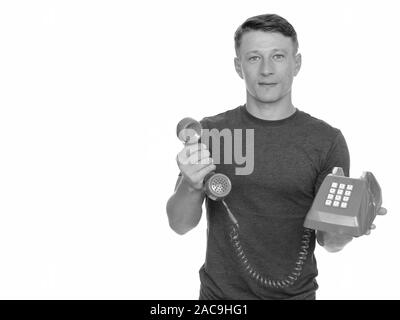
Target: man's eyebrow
column 274, row 50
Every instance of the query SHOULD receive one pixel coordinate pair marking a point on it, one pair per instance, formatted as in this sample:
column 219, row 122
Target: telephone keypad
column 339, row 195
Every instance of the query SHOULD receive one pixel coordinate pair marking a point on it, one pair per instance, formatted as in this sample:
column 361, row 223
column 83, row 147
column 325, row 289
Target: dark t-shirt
column 292, row 156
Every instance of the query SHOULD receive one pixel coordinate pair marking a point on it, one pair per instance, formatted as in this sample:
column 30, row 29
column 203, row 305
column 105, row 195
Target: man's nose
column 267, row 67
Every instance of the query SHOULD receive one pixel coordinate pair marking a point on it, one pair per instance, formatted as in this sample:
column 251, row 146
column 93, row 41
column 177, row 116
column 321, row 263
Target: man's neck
column 270, row 111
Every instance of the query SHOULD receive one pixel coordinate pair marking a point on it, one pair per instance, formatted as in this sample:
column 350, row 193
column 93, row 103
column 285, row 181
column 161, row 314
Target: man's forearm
column 184, row 208
column 332, row 242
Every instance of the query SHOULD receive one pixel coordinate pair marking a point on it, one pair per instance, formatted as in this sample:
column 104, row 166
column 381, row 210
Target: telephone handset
column 216, row 185
column 345, row 205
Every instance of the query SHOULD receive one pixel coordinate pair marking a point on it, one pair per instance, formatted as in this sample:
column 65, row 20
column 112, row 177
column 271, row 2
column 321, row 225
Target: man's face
column 267, row 63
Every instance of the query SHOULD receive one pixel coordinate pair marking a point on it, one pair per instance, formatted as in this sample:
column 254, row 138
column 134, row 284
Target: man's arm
column 184, row 207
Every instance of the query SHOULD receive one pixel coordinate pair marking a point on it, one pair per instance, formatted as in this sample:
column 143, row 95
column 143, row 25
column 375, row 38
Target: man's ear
column 238, row 67
column 297, row 64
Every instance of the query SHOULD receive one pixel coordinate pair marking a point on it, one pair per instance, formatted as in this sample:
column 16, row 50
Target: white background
column 90, row 94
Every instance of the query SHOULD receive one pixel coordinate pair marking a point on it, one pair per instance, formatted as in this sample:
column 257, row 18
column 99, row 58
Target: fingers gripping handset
column 195, row 162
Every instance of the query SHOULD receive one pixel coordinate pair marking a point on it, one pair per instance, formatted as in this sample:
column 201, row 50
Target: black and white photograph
column 199, row 150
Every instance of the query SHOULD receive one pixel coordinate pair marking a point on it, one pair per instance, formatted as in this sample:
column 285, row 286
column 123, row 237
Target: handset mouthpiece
column 217, row 186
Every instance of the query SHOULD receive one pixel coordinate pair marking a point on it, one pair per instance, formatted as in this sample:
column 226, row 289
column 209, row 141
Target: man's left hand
column 334, row 242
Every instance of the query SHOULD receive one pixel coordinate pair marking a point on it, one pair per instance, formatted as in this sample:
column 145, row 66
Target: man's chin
column 265, row 98
column 268, row 99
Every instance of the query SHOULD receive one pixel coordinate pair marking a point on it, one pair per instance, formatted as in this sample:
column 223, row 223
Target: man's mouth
column 270, row 84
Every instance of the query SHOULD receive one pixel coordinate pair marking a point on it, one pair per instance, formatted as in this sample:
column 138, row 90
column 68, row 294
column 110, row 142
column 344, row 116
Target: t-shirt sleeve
column 337, row 156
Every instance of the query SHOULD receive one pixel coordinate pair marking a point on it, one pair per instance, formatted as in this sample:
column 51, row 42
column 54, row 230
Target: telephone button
column 346, row 199
column 342, row 186
column 340, row 191
column 332, row 190
column 328, row 202
column 330, row 196
column 349, row 187
column 347, row 193
column 338, row 198
column 343, row 204
column 334, row 185
column 336, row 203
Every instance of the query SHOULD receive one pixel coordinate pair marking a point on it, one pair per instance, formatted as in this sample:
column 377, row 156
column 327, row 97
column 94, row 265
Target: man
column 293, row 153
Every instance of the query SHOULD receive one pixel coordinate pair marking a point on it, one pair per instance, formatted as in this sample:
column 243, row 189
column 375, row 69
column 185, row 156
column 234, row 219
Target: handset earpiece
column 189, row 131
column 216, row 185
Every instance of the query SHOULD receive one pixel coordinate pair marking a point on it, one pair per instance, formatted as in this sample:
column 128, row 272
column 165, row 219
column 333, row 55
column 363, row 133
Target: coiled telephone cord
column 260, row 278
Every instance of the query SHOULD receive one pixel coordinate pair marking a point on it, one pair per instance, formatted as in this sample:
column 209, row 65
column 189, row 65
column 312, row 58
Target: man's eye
column 278, row 57
column 254, row 58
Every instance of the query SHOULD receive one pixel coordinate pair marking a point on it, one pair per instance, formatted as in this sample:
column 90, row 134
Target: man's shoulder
column 221, row 119
column 317, row 126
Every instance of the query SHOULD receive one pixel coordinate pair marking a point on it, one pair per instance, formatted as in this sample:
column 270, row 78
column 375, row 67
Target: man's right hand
column 195, row 163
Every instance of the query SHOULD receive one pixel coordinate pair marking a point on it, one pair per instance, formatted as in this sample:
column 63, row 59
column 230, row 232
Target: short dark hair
column 267, row 23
